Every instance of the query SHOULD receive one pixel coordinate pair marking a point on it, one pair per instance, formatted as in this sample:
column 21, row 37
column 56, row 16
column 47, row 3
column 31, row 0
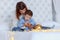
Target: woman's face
column 22, row 11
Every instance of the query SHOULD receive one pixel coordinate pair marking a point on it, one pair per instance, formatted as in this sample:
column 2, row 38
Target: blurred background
column 46, row 12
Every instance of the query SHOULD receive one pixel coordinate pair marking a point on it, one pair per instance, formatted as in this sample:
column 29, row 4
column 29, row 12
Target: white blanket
column 4, row 27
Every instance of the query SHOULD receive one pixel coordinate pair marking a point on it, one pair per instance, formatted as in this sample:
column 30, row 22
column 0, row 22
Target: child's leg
column 43, row 27
column 16, row 29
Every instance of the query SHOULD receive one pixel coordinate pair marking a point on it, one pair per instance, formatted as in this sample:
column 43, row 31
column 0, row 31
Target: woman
column 21, row 8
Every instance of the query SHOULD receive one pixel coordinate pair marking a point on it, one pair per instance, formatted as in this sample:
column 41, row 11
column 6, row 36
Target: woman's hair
column 20, row 6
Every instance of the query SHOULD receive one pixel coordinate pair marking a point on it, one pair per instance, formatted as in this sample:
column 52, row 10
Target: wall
column 42, row 10
column 57, row 9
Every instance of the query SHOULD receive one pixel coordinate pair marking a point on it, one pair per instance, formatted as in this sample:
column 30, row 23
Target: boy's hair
column 29, row 12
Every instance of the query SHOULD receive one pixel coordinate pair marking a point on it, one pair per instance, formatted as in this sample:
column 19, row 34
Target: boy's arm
column 32, row 23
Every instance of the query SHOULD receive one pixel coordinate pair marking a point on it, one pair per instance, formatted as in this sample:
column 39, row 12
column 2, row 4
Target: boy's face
column 27, row 17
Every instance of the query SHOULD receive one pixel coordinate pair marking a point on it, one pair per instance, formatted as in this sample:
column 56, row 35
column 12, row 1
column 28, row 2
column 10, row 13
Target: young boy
column 26, row 22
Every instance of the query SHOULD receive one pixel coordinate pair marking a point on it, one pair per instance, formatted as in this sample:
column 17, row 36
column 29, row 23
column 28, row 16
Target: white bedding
column 46, row 36
column 4, row 27
column 51, row 24
column 31, row 36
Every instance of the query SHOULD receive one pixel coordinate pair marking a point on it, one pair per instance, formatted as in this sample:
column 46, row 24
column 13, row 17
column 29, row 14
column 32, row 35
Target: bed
column 30, row 35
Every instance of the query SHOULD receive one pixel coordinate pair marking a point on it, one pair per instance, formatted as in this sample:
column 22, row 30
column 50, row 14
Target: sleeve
column 20, row 23
column 33, row 22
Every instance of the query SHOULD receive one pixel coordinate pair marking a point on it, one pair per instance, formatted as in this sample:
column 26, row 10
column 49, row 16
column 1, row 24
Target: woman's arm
column 20, row 23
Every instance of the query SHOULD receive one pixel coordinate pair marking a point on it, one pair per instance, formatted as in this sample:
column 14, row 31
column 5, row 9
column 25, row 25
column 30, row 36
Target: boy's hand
column 29, row 25
column 26, row 24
